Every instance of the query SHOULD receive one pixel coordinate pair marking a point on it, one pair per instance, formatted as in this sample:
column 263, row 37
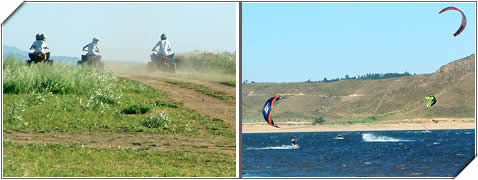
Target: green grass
column 40, row 160
column 228, row 83
column 224, row 62
column 64, row 106
column 69, row 112
column 201, row 89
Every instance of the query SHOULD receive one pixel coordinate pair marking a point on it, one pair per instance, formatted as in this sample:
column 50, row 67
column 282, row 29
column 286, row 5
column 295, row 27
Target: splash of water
column 369, row 137
column 275, row 147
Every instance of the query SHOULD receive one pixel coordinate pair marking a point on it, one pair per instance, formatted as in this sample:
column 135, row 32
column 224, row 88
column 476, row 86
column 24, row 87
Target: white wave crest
column 369, row 137
column 275, row 147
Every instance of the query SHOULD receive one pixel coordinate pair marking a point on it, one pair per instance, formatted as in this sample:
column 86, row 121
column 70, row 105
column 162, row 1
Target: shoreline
column 395, row 125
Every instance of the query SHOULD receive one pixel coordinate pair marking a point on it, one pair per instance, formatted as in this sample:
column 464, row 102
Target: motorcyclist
column 39, row 46
column 92, row 48
column 164, row 48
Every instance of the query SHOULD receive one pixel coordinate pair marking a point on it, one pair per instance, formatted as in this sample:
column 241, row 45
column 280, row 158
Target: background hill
column 21, row 54
column 354, row 100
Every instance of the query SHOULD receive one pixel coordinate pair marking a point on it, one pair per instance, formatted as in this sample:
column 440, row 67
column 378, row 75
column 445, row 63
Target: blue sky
column 290, row 42
column 127, row 31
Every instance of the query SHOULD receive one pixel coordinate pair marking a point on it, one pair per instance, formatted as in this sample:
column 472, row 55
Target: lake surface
column 434, row 153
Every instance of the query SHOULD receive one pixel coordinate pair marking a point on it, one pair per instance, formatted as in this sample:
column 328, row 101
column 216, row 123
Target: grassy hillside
column 62, row 120
column 351, row 101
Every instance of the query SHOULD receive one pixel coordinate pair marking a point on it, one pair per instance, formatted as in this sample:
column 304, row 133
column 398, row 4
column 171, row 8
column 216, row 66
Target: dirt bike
column 39, row 57
column 93, row 60
column 161, row 63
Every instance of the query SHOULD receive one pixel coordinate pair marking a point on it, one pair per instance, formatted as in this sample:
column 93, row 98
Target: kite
column 267, row 110
column 463, row 19
column 433, row 98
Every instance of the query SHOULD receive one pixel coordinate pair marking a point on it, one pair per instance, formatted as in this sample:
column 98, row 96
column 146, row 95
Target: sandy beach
column 405, row 124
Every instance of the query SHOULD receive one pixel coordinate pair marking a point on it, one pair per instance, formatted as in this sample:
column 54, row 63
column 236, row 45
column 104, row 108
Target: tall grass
column 224, row 62
column 57, row 78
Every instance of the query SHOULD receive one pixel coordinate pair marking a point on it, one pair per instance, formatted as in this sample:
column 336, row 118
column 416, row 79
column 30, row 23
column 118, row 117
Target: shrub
column 136, row 109
column 319, row 120
column 157, row 122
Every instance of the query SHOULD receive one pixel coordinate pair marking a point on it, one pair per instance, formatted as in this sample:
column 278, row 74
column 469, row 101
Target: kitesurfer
column 293, row 141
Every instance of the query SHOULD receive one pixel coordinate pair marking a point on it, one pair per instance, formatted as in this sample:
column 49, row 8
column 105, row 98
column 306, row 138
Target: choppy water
column 437, row 153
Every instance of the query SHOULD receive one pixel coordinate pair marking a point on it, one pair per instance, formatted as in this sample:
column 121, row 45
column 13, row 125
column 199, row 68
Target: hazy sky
column 127, row 31
column 286, row 42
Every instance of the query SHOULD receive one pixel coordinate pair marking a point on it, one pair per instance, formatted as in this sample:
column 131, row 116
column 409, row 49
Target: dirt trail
column 117, row 140
column 230, row 90
column 222, row 109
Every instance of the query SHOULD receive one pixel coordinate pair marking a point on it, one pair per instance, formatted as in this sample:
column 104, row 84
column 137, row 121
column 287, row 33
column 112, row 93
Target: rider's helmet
column 95, row 40
column 37, row 37
column 163, row 37
column 42, row 37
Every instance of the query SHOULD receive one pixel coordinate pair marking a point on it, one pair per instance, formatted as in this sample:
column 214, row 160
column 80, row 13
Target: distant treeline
column 369, row 76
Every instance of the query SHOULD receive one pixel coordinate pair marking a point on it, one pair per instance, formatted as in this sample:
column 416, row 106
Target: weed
column 157, row 122
column 36, row 98
column 17, row 111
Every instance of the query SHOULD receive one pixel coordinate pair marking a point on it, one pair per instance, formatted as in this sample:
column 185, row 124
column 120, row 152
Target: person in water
column 339, row 135
column 293, row 141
